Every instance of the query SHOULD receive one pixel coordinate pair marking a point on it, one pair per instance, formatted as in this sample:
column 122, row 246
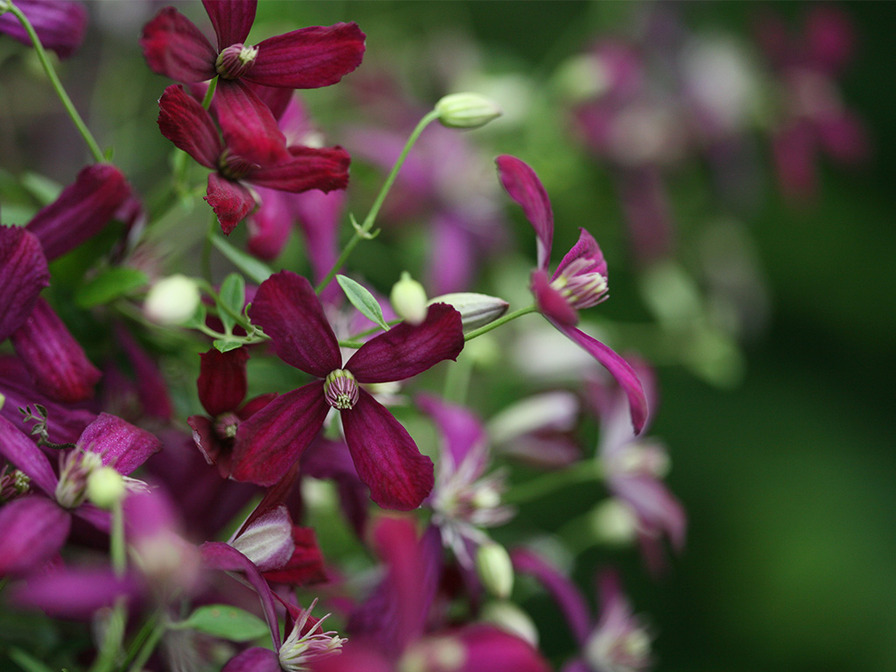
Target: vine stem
column 582, row 472
column 500, row 321
column 363, row 229
column 57, row 85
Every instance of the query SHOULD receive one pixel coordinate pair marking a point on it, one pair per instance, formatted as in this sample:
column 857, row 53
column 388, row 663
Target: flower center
column 235, row 60
column 581, row 287
column 341, row 390
column 74, row 470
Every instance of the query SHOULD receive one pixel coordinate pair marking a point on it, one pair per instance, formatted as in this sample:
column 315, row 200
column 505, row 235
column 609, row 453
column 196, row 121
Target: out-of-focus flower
column 60, row 25
column 579, row 282
column 386, row 457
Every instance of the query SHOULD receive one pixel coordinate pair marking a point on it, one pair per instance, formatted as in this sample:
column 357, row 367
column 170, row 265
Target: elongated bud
column 476, row 310
column 268, row 540
column 466, row 110
column 408, row 299
column 495, row 569
column 172, row 300
column 508, row 616
column 106, row 487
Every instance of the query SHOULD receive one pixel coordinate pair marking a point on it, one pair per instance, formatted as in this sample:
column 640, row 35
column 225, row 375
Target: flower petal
column 461, row 430
column 385, row 455
column 59, row 25
column 231, row 201
column 222, row 380
column 586, row 249
column 81, row 210
column 290, row 313
column 66, row 593
column 120, row 444
column 488, row 648
column 189, row 126
column 620, row 369
column 306, row 168
column 551, row 303
column 306, row 566
column 523, row 186
column 270, row 441
column 232, row 19
column 173, row 46
column 308, row 58
column 34, row 529
column 406, row 350
column 23, row 274
column 270, row 225
column 247, row 125
column 255, row 659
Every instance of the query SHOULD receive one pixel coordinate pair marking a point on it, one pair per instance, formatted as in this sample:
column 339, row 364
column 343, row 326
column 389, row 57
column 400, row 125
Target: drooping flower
column 60, row 25
column 385, row 455
column 306, row 58
column 253, row 150
column 580, row 280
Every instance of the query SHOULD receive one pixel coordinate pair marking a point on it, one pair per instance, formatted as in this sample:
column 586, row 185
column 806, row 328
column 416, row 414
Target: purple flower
column 307, row 58
column 253, row 150
column 385, row 455
column 580, row 280
column 60, row 25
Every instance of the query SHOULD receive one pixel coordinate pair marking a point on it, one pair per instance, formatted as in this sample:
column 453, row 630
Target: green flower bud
column 105, row 487
column 509, row 617
column 172, row 300
column 495, row 569
column 408, row 299
column 476, row 310
column 466, row 110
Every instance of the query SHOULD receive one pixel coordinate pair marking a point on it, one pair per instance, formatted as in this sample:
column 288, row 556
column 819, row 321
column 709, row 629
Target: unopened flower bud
column 509, row 617
column 106, row 487
column 267, row 542
column 476, row 310
column 408, row 299
column 466, row 110
column 495, row 569
column 614, row 522
column 172, row 300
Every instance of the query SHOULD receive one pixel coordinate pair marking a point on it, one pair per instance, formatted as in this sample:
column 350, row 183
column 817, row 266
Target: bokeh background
column 785, row 461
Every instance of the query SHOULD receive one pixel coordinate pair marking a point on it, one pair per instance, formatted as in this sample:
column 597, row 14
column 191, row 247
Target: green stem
column 146, row 639
column 57, row 85
column 365, row 227
column 210, row 93
column 582, row 472
column 457, row 380
column 117, row 550
column 500, row 321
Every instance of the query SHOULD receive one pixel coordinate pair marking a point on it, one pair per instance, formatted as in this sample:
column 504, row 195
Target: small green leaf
column 226, row 344
column 363, row 300
column 256, row 270
column 109, row 284
column 231, row 299
column 198, row 319
column 225, row 621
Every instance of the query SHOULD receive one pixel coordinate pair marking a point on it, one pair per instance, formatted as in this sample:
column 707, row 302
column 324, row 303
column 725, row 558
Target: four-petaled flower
column 385, row 455
column 580, row 280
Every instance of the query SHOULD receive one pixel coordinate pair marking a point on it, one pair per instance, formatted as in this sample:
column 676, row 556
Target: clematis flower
column 579, row 282
column 307, row 58
column 385, row 455
column 253, row 150
column 59, row 24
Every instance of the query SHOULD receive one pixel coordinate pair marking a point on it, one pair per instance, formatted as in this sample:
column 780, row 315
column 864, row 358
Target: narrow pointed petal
column 523, row 186
column 269, row 442
column 120, row 444
column 488, row 648
column 306, row 168
column 247, row 125
column 319, row 216
column 461, row 430
column 289, row 312
column 588, row 251
column 386, row 457
column 81, row 210
column 34, row 529
column 174, row 47
column 231, row 201
column 270, row 225
column 406, row 350
column 27, row 457
column 75, row 594
column 306, row 566
column 551, row 303
column 59, row 25
column 23, row 274
column 308, row 58
column 184, row 121
column 57, row 363
column 232, row 19
column 620, row 369
column 255, row 659
column 222, row 380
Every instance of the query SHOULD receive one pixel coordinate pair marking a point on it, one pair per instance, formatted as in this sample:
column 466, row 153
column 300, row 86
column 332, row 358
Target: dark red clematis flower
column 253, row 150
column 307, row 58
column 385, row 455
column 59, row 24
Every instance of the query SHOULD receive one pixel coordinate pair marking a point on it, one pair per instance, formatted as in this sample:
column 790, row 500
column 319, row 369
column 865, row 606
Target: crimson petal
column 24, row 273
column 406, row 350
column 255, row 659
column 120, row 444
column 189, row 126
column 248, row 126
column 173, row 46
column 289, row 312
column 551, row 303
column 523, row 186
column 232, row 19
column 34, row 529
column 585, row 248
column 306, row 168
column 231, row 201
column 385, row 455
column 308, row 58
column 222, row 380
column 270, row 441
column 27, row 457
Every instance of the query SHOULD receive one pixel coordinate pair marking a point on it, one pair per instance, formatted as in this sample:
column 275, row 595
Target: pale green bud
column 614, row 522
column 509, row 617
column 105, row 487
column 495, row 569
column 476, row 310
column 466, row 110
column 2, row 400
column 408, row 299
column 172, row 300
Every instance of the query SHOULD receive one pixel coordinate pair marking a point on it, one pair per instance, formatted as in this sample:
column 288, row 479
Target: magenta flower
column 59, row 24
column 385, row 455
column 253, row 150
column 307, row 58
column 580, row 280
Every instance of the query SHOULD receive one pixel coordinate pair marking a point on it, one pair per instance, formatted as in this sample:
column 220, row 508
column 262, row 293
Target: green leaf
column 111, row 283
column 231, row 299
column 363, row 300
column 256, row 270
column 226, row 344
column 226, row 622
column 26, row 662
